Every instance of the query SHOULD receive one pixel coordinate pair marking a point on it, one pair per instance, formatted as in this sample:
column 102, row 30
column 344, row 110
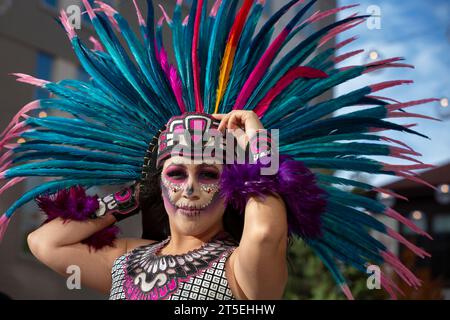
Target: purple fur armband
column 293, row 182
column 74, row 204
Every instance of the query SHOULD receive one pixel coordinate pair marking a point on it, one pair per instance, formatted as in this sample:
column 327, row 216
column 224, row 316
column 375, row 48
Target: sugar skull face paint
column 190, row 189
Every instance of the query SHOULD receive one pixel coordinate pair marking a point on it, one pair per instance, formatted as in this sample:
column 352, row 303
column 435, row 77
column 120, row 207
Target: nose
column 191, row 191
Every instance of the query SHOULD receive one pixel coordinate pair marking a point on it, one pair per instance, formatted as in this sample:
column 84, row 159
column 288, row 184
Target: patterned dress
column 142, row 274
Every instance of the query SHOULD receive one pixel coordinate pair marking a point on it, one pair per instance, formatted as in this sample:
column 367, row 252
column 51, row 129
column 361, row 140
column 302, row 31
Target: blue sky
column 419, row 31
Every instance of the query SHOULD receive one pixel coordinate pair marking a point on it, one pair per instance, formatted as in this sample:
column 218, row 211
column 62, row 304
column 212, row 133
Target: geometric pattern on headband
column 194, row 132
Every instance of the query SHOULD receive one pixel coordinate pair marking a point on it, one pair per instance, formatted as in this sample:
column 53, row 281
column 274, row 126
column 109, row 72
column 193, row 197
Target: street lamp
column 442, row 194
column 386, row 199
column 443, row 108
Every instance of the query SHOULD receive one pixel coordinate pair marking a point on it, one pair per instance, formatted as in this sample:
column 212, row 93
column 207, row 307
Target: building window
column 44, row 66
column 441, row 224
column 50, row 3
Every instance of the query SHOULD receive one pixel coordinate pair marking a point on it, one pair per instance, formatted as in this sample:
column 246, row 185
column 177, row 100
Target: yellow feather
column 225, row 70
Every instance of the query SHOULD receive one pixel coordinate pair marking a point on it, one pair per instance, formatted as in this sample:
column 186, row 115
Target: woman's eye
column 209, row 175
column 176, row 174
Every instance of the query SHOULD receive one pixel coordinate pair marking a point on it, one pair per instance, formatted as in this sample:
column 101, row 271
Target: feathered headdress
column 222, row 63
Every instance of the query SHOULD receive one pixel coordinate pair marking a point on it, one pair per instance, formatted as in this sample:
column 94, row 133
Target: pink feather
column 97, row 45
column 195, row 61
column 345, row 42
column 5, row 156
column 215, row 8
column 25, row 78
column 322, row 15
column 388, row 84
column 4, row 221
column 260, row 69
column 177, row 88
column 284, row 82
column 401, row 269
column 389, row 212
column 139, row 14
column 11, row 183
column 339, row 29
column 408, row 104
column 163, row 60
column 28, row 107
column 392, row 114
column 347, row 55
column 67, row 25
column 347, row 292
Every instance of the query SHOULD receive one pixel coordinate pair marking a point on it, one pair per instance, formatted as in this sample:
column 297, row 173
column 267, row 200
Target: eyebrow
column 174, row 164
column 202, row 165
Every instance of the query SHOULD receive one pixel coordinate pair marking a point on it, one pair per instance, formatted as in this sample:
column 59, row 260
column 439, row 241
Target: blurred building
column 430, row 210
column 32, row 42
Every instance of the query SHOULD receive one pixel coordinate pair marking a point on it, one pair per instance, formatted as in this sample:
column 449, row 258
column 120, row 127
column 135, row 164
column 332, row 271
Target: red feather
column 284, row 82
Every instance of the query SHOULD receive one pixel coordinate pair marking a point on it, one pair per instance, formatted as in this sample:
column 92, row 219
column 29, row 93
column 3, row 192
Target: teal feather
column 54, row 138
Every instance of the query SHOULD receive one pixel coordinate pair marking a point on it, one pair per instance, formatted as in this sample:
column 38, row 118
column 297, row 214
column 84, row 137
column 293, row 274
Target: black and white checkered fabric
column 211, row 284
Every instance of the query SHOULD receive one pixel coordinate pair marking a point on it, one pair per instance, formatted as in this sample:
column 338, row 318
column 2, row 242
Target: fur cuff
column 74, row 204
column 294, row 182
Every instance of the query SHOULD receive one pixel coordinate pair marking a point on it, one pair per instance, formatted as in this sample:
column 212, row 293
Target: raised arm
column 61, row 243
column 260, row 266
column 259, row 263
column 58, row 245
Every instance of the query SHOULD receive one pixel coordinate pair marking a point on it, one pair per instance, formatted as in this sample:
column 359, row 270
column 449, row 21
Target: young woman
column 250, row 265
column 210, row 231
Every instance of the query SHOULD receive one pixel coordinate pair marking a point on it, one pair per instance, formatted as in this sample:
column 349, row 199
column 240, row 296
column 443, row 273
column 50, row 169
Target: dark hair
column 155, row 221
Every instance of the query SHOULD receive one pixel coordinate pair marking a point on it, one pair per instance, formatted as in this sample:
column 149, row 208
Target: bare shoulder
column 133, row 243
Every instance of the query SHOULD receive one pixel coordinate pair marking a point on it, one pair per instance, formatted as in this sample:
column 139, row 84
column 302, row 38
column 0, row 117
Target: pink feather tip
column 393, row 114
column 106, row 8
column 215, row 8
column 4, row 168
column 5, row 156
column 139, row 14
column 70, row 30
column 388, row 84
column 408, row 104
column 89, row 9
column 166, row 16
column 11, row 184
column 97, row 45
column 347, row 55
column 33, row 105
column 397, row 236
column 185, row 21
column 325, row 14
column 25, row 78
column 345, row 42
column 4, row 221
column 346, row 290
column 389, row 212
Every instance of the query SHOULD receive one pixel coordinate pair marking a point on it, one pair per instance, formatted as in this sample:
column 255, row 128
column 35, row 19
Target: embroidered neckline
column 148, row 276
column 223, row 235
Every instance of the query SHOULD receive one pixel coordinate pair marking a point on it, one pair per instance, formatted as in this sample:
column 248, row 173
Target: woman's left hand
column 239, row 119
column 241, row 123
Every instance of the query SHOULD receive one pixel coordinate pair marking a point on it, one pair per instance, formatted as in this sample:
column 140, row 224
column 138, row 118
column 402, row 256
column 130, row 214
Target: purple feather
column 102, row 238
column 75, row 204
column 294, row 182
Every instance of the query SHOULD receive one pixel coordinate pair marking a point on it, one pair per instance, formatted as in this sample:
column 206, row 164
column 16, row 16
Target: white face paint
column 191, row 189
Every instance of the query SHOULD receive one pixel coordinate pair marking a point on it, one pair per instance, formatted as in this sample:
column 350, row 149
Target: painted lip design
column 190, row 211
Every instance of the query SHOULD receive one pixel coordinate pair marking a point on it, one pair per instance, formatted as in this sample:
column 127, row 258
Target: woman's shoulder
column 133, row 243
column 130, row 244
